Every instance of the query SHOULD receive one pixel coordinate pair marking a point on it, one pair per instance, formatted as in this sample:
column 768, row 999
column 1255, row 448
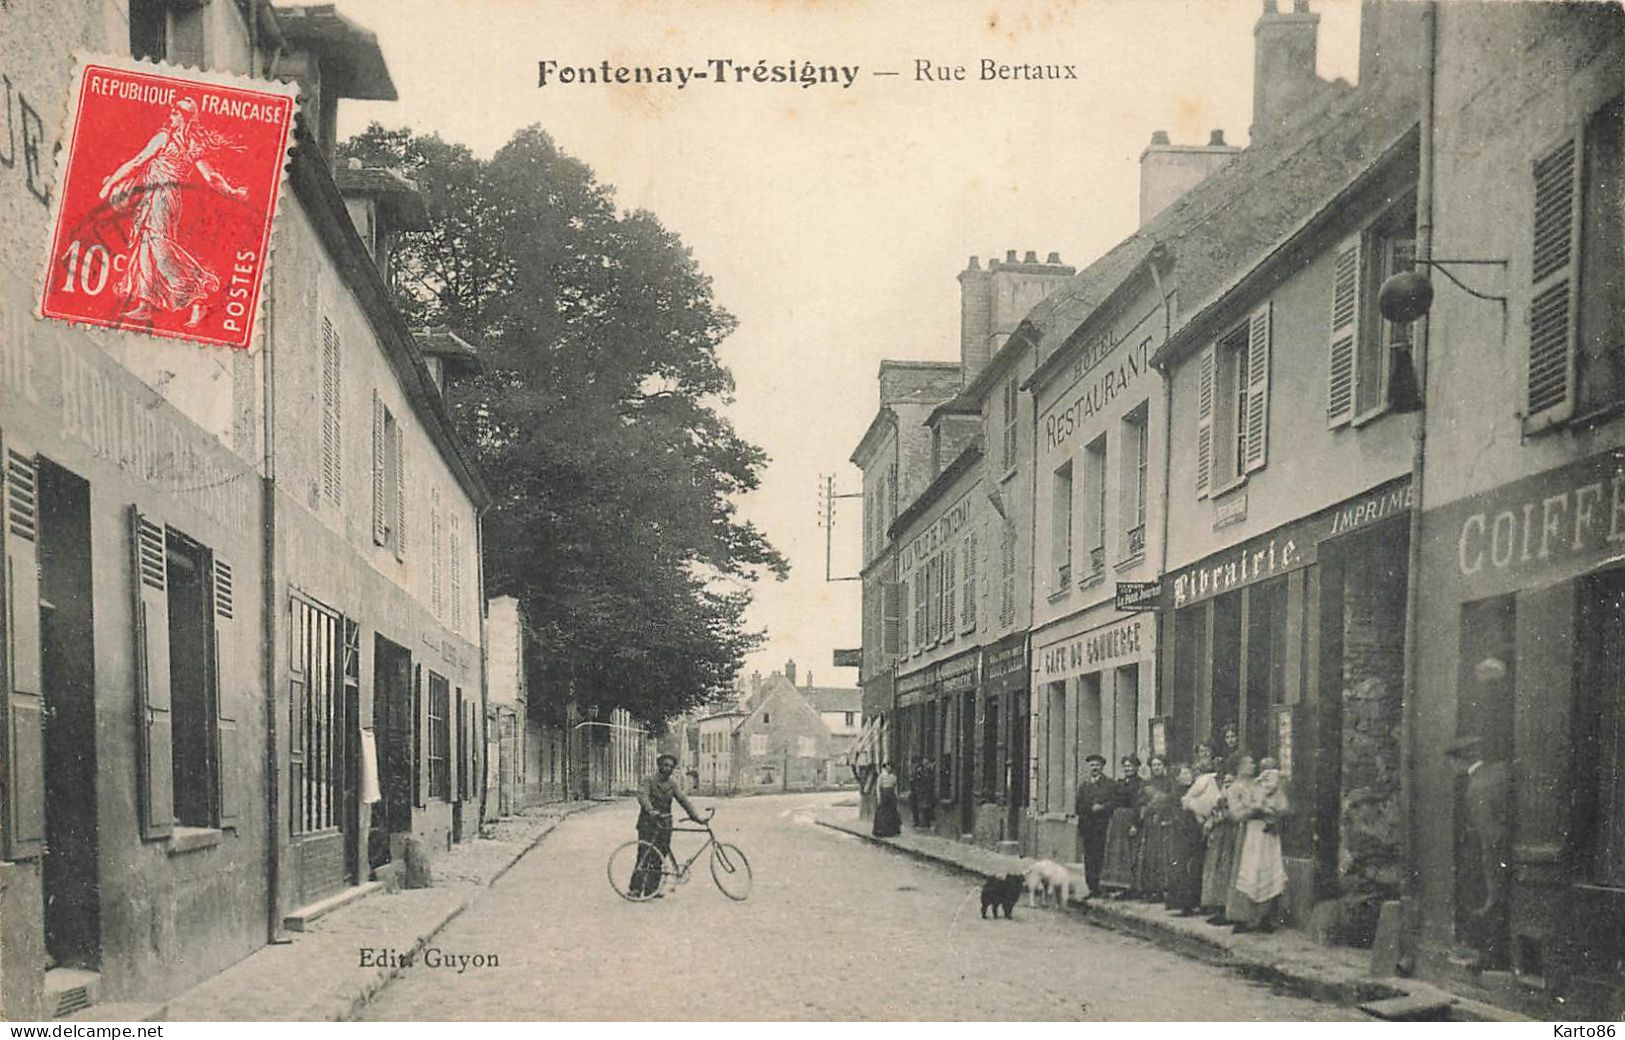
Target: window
column 1132, row 497
column 758, row 745
column 161, row 30
column 1576, row 351
column 439, row 732
column 933, row 600
column 950, row 586
column 332, row 452
column 1232, row 415
column 1360, row 340
column 1061, row 527
column 388, row 479
column 190, row 757
column 921, row 595
column 1057, row 781
column 322, row 668
column 893, row 596
column 891, row 497
column 1012, row 397
column 1094, row 507
column 806, row 747
column 851, row 718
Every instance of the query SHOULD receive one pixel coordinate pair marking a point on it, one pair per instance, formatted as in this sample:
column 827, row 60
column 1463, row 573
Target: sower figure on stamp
column 655, row 796
column 159, row 271
column 1097, row 797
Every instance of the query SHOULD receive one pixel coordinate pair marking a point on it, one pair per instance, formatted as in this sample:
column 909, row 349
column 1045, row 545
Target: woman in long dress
column 1123, row 832
column 1156, row 797
column 1241, row 803
column 159, row 272
column 888, row 818
column 1260, row 868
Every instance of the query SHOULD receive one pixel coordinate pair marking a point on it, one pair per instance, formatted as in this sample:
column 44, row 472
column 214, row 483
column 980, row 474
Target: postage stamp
column 168, row 183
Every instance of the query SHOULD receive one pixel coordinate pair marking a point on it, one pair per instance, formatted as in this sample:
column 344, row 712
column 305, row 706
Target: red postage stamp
column 166, row 193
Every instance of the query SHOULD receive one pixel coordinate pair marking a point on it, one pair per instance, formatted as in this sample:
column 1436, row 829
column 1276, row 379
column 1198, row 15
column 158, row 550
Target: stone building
column 317, row 581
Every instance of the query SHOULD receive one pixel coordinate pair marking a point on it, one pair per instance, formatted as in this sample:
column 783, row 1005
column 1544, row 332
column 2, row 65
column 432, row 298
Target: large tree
column 595, row 418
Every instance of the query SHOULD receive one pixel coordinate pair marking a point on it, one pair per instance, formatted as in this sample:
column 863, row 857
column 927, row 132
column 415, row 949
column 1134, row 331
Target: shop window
column 1061, row 527
column 1125, row 713
column 439, row 732
column 1577, row 274
column 316, row 730
column 1136, row 446
column 1090, row 732
column 1599, row 728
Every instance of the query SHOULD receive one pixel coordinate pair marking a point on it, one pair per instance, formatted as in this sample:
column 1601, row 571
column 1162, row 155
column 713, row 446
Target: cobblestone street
column 833, row 929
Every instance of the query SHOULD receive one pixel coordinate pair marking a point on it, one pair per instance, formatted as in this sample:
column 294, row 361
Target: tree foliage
column 595, row 418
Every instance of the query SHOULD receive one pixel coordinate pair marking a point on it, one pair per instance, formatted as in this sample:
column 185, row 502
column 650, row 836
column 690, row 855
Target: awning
column 870, row 747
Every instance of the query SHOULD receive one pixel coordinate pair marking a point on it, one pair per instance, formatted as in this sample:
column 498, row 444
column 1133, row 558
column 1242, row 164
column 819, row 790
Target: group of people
column 1199, row 837
column 922, row 798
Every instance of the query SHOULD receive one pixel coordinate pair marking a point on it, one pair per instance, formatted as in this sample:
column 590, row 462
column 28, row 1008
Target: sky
column 834, row 219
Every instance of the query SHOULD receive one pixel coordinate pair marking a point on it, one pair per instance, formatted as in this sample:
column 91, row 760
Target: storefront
column 1094, row 680
column 1295, row 639
column 1003, row 725
column 936, row 709
column 1523, row 607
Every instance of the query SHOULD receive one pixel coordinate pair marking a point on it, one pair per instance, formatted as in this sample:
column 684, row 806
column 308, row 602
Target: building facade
column 241, row 575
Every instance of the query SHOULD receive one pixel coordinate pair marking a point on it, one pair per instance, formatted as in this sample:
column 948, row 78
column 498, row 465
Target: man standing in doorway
column 1486, row 797
column 1097, row 797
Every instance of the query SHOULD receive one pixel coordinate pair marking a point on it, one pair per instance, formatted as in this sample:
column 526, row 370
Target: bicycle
column 729, row 867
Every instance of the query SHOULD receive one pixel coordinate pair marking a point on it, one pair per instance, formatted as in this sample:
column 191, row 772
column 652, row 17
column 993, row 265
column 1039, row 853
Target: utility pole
column 826, row 520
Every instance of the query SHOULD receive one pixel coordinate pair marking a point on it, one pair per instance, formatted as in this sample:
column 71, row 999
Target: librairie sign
column 1139, row 595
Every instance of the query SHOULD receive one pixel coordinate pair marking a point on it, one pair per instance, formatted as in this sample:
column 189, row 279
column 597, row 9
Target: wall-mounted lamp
column 1404, row 298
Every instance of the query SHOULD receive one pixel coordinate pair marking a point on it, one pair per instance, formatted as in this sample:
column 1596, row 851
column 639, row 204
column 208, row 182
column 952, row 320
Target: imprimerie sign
column 933, row 538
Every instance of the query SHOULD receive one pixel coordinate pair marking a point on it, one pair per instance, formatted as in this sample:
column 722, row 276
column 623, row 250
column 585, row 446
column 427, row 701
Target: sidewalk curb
column 1268, row 970
column 372, row 987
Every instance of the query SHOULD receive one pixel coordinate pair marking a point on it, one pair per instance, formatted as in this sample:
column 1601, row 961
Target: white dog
column 1046, row 877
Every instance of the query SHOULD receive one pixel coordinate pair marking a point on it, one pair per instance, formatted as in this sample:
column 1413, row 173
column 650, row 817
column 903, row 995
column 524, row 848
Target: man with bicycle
column 655, row 795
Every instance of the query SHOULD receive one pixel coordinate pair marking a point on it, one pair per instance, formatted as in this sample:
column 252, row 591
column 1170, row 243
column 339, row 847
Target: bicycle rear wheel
column 730, row 870
column 638, row 871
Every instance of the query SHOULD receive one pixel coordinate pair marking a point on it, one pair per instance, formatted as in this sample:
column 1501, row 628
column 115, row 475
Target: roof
column 313, row 184
column 884, row 419
column 966, row 461
column 397, row 195
column 440, row 341
column 833, row 698
column 1233, row 219
column 356, row 68
column 959, row 404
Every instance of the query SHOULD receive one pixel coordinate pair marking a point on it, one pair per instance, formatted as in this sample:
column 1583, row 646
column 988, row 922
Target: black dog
column 1001, row 891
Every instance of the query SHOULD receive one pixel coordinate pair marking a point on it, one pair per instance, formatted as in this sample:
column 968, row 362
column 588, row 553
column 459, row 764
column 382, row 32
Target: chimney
column 993, row 302
column 1168, row 171
column 790, row 671
column 755, row 683
column 1284, row 80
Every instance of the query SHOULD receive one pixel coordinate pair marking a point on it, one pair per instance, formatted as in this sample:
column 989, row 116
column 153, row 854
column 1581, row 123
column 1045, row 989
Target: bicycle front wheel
column 730, row 870
column 638, row 871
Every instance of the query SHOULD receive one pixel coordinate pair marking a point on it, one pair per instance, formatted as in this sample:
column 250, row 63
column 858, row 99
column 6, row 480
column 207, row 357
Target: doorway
column 392, row 723
column 67, row 622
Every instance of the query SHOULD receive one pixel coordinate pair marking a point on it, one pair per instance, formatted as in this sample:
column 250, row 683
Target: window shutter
column 1258, row 388
column 400, row 490
column 1204, row 423
column 968, row 606
column 1552, row 273
column 227, row 761
column 1345, row 334
column 459, row 761
column 331, row 454
column 891, row 616
column 950, row 587
column 1007, row 585
column 152, row 676
column 24, row 706
column 455, row 552
column 380, row 519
